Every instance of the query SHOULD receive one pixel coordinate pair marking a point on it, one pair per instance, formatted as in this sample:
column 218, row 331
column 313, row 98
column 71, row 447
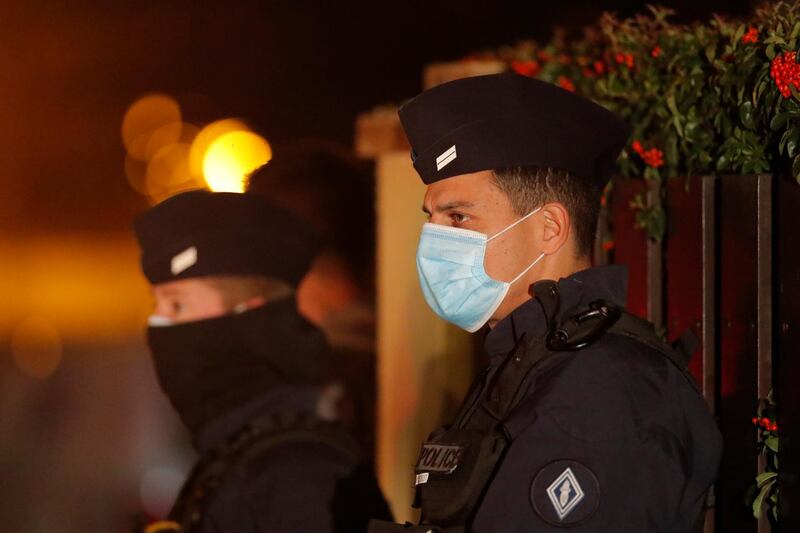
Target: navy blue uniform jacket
column 293, row 487
column 612, row 438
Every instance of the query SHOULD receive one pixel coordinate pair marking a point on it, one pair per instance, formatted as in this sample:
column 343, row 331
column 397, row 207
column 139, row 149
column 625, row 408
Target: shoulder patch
column 565, row 493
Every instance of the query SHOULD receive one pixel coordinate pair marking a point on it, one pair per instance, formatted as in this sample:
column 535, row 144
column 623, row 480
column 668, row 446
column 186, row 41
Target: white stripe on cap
column 183, row 260
column 446, row 158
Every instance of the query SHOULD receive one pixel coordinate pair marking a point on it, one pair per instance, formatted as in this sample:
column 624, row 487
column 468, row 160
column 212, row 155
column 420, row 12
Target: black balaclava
column 208, row 367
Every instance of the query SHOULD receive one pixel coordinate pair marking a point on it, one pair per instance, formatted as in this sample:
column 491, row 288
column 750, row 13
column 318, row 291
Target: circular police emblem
column 565, row 493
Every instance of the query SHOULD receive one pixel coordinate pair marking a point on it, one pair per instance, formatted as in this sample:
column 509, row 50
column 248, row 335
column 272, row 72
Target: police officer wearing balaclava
column 584, row 419
column 245, row 372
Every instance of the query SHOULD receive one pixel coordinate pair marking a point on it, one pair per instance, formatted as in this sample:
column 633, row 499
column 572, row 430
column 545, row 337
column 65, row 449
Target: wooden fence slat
column 655, row 264
column 708, row 193
column 764, row 303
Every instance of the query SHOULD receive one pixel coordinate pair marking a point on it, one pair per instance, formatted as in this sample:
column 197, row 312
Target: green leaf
column 764, row 478
column 772, row 443
column 757, row 90
column 673, row 107
column 746, row 114
column 671, row 150
column 795, row 31
column 722, row 164
column 737, row 37
column 796, row 168
column 784, row 140
column 780, row 119
column 770, row 52
column 793, row 143
column 759, row 502
column 775, row 39
column 637, row 202
column 711, row 51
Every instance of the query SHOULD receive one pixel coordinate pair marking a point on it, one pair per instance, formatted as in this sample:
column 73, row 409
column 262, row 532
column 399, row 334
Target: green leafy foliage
column 702, row 95
column 763, row 493
column 651, row 218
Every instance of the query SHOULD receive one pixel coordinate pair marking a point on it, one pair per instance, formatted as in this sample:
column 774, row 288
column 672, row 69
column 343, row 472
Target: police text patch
column 439, row 458
column 565, row 493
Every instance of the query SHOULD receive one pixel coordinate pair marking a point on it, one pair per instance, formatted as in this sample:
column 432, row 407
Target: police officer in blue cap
column 584, row 419
column 246, row 372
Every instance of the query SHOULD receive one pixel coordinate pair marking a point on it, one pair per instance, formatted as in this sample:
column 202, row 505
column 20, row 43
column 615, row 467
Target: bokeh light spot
column 206, row 137
column 136, row 172
column 147, row 115
column 164, row 136
column 231, row 157
column 168, row 172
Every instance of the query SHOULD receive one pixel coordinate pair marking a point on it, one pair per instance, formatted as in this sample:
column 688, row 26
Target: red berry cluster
column 785, row 71
column 652, row 157
column 593, row 69
column 655, row 52
column 599, row 67
column 566, row 83
column 528, row 67
column 751, row 36
column 624, row 59
column 765, row 424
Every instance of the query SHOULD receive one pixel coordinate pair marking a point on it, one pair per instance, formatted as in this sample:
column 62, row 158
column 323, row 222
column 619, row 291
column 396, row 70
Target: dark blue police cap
column 202, row 233
column 508, row 120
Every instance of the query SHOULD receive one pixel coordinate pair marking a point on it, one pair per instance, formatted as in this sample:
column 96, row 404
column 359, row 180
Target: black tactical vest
column 260, row 435
column 457, row 462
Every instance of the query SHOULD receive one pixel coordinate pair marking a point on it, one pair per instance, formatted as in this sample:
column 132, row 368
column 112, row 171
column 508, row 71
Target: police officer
column 245, row 371
column 584, row 418
column 321, row 183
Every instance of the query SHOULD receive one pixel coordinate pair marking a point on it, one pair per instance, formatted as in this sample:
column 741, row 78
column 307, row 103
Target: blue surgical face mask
column 452, row 276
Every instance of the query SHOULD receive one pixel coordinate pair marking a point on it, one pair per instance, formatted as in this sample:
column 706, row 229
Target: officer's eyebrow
column 448, row 206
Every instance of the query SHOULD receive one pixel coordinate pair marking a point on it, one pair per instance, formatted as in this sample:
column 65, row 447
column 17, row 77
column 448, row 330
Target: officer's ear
column 555, row 227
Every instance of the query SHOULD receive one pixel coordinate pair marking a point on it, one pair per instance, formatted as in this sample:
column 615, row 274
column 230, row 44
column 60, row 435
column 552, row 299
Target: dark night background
column 291, row 69
column 69, row 267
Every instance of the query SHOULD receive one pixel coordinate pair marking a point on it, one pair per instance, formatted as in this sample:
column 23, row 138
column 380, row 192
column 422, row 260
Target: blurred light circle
column 36, row 347
column 158, row 490
column 206, row 137
column 164, row 136
column 144, row 117
column 231, row 157
column 136, row 172
column 168, row 172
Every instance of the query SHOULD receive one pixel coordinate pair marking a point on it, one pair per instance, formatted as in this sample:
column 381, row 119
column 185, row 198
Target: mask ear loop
column 541, row 256
column 514, row 224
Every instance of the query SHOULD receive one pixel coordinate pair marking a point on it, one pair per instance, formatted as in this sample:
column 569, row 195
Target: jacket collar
column 608, row 282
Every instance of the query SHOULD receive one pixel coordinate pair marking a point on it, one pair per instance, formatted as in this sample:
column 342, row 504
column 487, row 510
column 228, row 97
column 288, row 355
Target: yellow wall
column 424, row 364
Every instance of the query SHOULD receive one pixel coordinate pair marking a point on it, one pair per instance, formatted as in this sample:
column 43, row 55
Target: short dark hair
column 332, row 191
column 236, row 289
column 529, row 187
